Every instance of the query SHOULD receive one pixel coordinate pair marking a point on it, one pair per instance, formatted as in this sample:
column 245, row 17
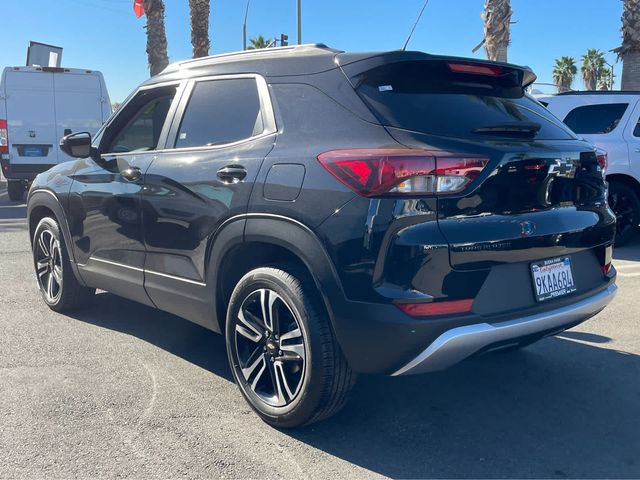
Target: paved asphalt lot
column 120, row 390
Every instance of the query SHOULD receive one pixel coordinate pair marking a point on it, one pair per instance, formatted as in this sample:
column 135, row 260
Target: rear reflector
column 398, row 172
column 475, row 68
column 603, row 159
column 436, row 308
column 4, row 137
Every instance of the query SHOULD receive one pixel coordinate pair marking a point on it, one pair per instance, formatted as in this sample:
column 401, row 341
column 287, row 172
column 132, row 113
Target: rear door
column 220, row 136
column 31, row 118
column 78, row 105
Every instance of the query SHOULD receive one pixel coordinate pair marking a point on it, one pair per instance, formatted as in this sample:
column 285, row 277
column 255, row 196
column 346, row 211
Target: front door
column 105, row 205
column 221, row 134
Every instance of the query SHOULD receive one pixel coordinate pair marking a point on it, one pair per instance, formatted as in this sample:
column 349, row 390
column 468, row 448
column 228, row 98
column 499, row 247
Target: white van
column 38, row 106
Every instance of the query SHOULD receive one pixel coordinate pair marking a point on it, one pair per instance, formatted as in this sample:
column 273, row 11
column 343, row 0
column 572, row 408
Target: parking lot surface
column 120, row 389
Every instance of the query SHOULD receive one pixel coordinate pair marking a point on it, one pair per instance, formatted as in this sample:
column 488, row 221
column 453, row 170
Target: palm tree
column 593, row 64
column 629, row 51
column 258, row 42
column 606, row 79
column 564, row 72
column 497, row 22
column 156, row 36
column 199, row 10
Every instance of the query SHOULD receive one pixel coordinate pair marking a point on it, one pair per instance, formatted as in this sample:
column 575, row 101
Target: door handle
column 232, row 173
column 131, row 174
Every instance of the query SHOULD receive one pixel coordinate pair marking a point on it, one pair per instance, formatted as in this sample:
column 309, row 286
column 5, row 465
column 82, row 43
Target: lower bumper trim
column 459, row 343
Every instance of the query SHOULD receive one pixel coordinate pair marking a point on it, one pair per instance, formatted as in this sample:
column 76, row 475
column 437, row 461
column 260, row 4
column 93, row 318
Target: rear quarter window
column 596, row 119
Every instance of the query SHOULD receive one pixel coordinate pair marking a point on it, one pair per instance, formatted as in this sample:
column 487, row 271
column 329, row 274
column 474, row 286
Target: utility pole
column 244, row 27
column 299, row 22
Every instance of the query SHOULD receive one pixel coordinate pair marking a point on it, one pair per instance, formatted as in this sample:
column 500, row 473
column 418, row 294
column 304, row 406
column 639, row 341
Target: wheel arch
column 268, row 240
column 627, row 180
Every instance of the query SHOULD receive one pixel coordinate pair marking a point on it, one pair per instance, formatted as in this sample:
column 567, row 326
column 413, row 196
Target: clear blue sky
column 105, row 34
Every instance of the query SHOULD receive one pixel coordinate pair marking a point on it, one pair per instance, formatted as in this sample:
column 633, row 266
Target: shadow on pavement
column 180, row 337
column 561, row 408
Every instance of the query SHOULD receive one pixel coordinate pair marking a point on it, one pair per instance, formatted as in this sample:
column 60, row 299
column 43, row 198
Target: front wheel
column 282, row 351
column 624, row 202
column 58, row 284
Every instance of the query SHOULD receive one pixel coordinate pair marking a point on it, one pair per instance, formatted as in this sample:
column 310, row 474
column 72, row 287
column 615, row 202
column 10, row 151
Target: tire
column 59, row 287
column 282, row 350
column 624, row 202
column 16, row 190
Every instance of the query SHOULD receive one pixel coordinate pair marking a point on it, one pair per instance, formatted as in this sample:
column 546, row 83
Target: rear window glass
column 596, row 119
column 425, row 96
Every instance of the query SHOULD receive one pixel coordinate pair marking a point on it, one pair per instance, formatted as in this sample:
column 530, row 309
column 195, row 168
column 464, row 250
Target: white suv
column 610, row 121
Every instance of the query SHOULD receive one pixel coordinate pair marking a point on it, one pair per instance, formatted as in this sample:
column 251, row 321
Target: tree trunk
column 156, row 36
column 497, row 25
column 501, row 53
column 199, row 27
column 631, row 71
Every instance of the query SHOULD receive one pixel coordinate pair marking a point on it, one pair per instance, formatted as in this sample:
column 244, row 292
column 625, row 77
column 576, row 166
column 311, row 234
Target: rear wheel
column 624, row 202
column 16, row 190
column 282, row 351
column 58, row 284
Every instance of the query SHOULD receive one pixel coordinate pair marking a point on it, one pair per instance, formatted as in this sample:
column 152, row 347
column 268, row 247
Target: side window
column 595, row 119
column 138, row 126
column 219, row 112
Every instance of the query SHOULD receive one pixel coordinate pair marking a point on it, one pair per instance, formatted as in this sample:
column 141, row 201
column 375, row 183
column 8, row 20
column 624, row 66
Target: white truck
column 38, row 106
column 609, row 120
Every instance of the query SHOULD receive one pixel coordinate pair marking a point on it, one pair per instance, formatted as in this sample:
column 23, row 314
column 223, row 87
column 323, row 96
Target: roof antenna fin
column 404, row 47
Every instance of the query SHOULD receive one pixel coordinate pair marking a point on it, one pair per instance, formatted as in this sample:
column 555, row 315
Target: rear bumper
column 23, row 171
column 459, row 343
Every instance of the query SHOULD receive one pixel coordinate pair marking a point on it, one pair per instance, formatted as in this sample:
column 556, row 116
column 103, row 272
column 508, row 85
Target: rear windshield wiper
column 520, row 129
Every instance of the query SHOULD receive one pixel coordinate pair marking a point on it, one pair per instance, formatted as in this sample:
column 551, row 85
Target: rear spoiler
column 355, row 64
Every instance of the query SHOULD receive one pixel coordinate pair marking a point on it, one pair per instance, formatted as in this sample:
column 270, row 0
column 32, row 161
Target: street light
column 244, row 27
column 610, row 76
column 299, row 22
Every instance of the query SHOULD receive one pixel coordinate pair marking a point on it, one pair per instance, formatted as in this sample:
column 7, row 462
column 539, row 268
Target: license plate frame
column 552, row 278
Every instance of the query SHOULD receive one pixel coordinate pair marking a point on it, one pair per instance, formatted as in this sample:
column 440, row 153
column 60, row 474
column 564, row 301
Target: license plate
column 552, row 278
column 33, row 152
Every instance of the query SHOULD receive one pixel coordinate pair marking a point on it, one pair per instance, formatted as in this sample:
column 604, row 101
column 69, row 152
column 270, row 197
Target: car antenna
column 404, row 47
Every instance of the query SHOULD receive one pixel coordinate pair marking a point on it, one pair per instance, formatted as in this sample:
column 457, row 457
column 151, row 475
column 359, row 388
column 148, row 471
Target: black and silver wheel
column 57, row 282
column 282, row 351
column 624, row 202
column 48, row 261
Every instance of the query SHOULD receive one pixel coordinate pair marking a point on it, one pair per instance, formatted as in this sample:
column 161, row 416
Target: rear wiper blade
column 520, row 129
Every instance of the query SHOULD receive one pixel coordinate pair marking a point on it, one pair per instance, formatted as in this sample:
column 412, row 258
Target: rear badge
column 563, row 168
column 527, row 228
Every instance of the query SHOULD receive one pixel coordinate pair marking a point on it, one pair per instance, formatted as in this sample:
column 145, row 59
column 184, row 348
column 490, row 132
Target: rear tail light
column 436, row 308
column 4, row 137
column 608, row 257
column 603, row 159
column 397, row 172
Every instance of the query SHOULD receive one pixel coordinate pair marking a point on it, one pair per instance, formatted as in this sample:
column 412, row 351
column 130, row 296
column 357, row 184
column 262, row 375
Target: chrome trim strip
column 137, row 269
column 44, row 190
column 102, row 260
column 459, row 343
column 173, row 277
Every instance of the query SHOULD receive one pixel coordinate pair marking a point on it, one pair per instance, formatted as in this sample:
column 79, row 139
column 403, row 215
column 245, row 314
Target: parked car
column 611, row 121
column 332, row 214
column 38, row 105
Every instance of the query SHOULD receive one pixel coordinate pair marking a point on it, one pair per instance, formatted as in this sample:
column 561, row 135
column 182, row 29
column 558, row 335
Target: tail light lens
column 402, row 172
column 4, row 137
column 603, row 159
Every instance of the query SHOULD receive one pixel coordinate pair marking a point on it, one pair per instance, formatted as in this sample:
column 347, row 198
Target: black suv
column 332, row 213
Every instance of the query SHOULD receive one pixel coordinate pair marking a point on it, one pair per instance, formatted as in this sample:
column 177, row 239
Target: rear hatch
column 538, row 194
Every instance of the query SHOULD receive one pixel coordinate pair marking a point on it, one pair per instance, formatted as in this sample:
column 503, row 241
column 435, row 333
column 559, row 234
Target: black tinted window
column 221, row 111
column 425, row 96
column 594, row 119
column 137, row 128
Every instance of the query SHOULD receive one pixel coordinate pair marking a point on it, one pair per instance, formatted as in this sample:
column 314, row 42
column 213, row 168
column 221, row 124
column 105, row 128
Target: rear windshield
column 426, row 96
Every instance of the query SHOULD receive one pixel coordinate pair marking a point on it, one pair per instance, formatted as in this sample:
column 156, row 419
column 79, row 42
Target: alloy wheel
column 270, row 347
column 48, row 262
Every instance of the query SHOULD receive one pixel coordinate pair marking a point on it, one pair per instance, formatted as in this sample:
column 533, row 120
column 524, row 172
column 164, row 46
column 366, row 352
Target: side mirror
column 77, row 145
